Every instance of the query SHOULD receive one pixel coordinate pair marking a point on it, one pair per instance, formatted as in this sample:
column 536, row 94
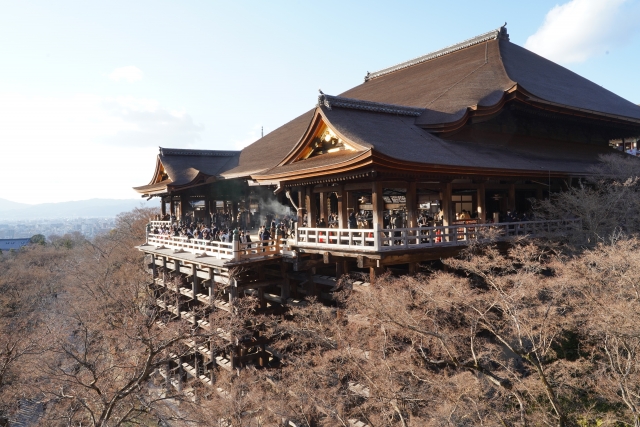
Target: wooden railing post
column 236, row 250
column 376, row 236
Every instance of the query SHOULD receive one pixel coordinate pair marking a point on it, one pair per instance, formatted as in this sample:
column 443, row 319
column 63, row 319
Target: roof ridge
column 330, row 101
column 191, row 152
column 500, row 33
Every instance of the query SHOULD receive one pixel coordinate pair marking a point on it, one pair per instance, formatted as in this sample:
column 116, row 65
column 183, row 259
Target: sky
column 90, row 90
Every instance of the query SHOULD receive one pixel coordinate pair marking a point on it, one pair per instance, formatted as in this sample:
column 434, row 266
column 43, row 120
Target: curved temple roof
column 389, row 116
column 184, row 167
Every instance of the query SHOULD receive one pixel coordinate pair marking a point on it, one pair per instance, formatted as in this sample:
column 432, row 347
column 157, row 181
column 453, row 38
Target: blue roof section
column 8, row 244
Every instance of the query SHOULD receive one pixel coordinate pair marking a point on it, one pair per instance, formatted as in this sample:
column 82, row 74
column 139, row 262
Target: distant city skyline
column 88, row 91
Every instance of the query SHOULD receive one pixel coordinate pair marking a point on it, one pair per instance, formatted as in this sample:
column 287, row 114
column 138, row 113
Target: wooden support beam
column 306, row 264
column 326, row 257
column 447, row 211
column 374, row 273
column 512, row 197
column 377, row 203
column 339, row 270
column 413, row 268
column 482, row 205
column 343, row 215
column 164, row 271
column 300, row 207
column 285, row 288
column 184, row 203
column 324, row 207
column 365, row 262
column 212, row 286
column 154, row 270
column 196, row 281
column 412, row 205
column 310, row 204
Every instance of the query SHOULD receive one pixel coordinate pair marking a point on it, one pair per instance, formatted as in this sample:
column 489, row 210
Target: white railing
column 345, row 238
column 424, row 237
column 221, row 250
column 160, row 224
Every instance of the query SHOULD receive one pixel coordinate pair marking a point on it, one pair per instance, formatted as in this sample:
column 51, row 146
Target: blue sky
column 89, row 90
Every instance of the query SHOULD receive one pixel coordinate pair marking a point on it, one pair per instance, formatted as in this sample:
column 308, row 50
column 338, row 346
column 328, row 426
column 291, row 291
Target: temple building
column 408, row 166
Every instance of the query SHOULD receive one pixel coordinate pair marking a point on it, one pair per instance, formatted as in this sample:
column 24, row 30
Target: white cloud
column 71, row 148
column 130, row 74
column 580, row 29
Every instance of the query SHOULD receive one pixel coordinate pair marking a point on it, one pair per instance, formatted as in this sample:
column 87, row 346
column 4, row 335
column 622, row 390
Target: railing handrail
column 222, row 250
column 396, row 238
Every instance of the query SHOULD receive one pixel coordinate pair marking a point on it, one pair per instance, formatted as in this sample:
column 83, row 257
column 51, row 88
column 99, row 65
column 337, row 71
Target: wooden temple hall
column 408, row 166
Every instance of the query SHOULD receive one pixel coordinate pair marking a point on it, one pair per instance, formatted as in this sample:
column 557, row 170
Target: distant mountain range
column 92, row 208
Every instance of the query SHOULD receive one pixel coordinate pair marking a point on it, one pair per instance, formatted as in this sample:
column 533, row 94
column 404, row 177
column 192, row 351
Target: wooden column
column 310, row 205
column 343, row 213
column 172, row 207
column 447, row 212
column 207, row 211
column 377, row 203
column 163, row 207
column 196, row 281
column 482, row 205
column 212, row 286
column 300, row 206
column 184, row 203
column 324, row 207
column 512, row 197
column 539, row 193
column 164, row 271
column 412, row 205
column 374, row 272
column 285, row 289
column 154, row 272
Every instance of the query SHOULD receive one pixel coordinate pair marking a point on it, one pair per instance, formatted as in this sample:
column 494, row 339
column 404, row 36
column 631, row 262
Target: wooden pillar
column 310, row 206
column 374, row 272
column 412, row 205
column 413, row 267
column 163, row 206
column 300, row 206
column 233, row 291
column 234, row 212
column 324, row 207
column 164, row 271
column 154, row 271
column 196, row 281
column 539, row 193
column 212, row 286
column 482, row 206
column 285, row 289
column 339, row 269
column 172, row 207
column 184, row 203
column 343, row 213
column 207, row 211
column 176, row 269
column 447, row 211
column 377, row 203
column 512, row 197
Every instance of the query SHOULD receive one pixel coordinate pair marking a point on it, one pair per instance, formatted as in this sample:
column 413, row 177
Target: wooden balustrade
column 222, row 250
column 421, row 237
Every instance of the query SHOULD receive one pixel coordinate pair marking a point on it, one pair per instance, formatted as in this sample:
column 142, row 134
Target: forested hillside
column 544, row 333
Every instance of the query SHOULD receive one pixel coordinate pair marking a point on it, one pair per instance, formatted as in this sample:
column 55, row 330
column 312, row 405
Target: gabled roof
column 478, row 73
column 395, row 141
column 184, row 168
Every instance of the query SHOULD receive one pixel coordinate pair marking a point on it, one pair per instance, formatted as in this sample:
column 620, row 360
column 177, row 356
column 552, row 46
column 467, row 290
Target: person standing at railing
column 266, row 236
column 352, row 222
